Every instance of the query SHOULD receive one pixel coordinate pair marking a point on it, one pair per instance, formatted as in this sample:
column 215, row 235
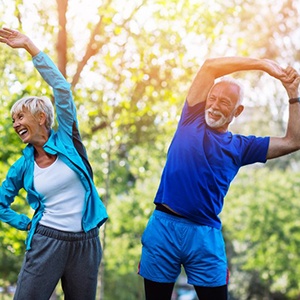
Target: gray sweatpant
column 72, row 257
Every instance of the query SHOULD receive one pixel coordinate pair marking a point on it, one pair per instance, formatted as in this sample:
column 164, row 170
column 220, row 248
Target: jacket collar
column 28, row 151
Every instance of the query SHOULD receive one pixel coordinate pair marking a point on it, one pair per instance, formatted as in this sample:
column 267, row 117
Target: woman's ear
column 42, row 118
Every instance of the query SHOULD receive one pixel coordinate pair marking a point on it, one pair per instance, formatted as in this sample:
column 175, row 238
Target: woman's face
column 27, row 126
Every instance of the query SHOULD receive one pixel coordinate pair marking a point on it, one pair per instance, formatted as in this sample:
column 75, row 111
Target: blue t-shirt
column 201, row 163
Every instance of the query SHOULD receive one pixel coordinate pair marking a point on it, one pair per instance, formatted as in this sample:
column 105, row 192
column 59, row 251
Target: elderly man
column 203, row 159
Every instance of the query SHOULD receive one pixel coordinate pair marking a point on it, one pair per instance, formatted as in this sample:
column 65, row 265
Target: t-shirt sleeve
column 191, row 114
column 255, row 149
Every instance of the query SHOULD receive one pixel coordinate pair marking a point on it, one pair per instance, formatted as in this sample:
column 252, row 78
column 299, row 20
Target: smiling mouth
column 214, row 115
column 22, row 132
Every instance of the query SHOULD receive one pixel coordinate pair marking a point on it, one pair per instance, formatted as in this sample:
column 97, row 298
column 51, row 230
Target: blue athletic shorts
column 169, row 242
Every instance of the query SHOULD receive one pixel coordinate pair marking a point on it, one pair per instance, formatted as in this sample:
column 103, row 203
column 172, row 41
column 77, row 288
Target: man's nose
column 216, row 104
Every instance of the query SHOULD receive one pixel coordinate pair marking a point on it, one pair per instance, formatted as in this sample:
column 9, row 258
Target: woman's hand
column 16, row 39
column 29, row 226
column 13, row 38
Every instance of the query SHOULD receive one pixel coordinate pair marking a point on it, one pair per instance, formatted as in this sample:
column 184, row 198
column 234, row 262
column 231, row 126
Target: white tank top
column 63, row 196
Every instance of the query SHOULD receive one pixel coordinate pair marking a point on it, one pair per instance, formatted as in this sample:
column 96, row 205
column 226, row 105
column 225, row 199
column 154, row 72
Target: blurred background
column 130, row 64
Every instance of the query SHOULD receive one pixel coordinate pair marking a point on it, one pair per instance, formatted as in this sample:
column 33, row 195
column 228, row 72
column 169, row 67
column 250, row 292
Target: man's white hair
column 233, row 81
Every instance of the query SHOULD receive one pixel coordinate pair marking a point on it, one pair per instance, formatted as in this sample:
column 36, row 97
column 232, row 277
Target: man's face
column 221, row 106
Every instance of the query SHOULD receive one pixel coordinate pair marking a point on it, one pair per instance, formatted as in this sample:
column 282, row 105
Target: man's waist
column 167, row 210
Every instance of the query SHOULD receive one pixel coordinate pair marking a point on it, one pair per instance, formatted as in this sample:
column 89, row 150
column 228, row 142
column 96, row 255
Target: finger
column 295, row 83
column 297, row 80
column 291, row 74
column 290, row 71
column 9, row 30
column 287, row 79
column 5, row 33
column 2, row 40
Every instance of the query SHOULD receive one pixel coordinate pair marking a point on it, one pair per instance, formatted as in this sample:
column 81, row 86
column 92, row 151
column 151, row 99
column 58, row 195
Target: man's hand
column 292, row 86
column 275, row 70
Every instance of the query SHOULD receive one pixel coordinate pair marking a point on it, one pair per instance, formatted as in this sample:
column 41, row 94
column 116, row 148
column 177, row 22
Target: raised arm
column 217, row 67
column 15, row 39
column 65, row 107
column 291, row 141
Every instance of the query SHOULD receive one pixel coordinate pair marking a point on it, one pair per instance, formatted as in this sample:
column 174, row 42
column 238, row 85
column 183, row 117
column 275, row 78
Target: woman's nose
column 16, row 124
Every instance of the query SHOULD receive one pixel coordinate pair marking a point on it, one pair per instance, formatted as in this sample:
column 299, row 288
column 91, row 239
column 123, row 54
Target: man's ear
column 238, row 110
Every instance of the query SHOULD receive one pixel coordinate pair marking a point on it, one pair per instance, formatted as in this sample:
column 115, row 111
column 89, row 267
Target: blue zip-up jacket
column 67, row 144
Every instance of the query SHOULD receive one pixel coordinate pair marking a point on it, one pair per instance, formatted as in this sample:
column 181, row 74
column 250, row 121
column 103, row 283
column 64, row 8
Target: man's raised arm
column 217, row 67
column 291, row 141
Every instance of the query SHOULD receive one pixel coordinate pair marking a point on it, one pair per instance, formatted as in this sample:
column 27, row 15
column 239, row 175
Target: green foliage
column 12, row 248
column 261, row 221
column 11, row 254
column 128, row 218
column 129, row 95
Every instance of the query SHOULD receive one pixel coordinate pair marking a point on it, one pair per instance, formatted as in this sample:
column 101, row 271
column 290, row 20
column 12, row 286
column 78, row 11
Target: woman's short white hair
column 36, row 105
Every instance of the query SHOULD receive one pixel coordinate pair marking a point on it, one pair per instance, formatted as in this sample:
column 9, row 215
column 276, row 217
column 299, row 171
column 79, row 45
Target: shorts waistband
column 177, row 219
column 65, row 235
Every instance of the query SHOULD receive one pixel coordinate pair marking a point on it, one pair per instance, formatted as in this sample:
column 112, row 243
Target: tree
column 130, row 64
column 261, row 222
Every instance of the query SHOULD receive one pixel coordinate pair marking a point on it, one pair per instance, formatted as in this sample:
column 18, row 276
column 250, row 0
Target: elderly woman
column 63, row 235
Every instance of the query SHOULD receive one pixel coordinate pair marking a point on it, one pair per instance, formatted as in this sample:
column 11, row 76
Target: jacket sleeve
column 64, row 103
column 65, row 107
column 8, row 191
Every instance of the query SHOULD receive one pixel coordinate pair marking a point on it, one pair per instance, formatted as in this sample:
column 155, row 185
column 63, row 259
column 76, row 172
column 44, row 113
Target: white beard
column 216, row 123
